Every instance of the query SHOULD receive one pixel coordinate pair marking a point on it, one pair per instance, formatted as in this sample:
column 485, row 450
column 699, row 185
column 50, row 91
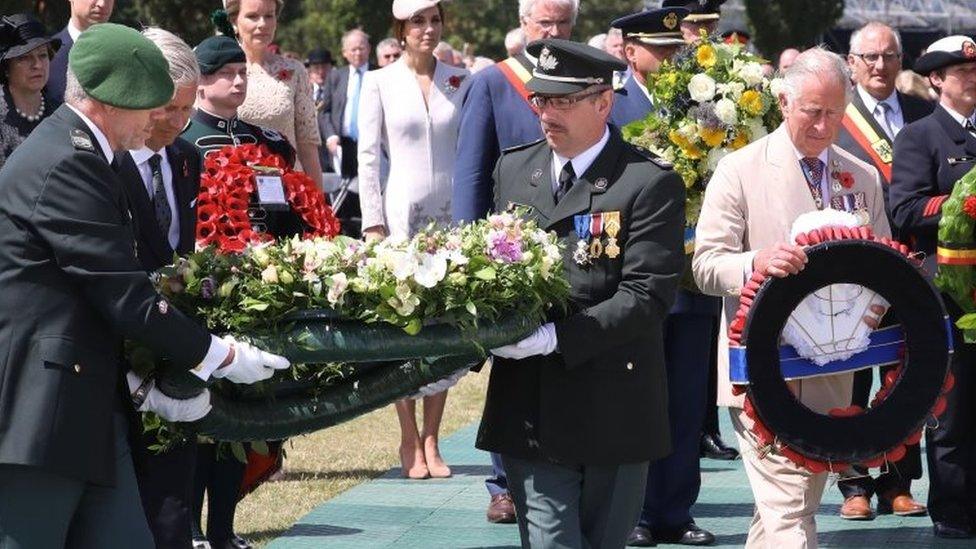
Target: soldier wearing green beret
column 563, row 404
column 73, row 289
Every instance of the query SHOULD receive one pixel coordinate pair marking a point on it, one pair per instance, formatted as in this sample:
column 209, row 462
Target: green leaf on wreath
column 261, row 447
column 237, row 449
column 470, row 306
column 488, row 273
column 967, row 322
column 413, row 327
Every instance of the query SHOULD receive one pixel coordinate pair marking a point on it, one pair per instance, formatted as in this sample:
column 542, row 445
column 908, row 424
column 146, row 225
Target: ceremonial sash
column 517, row 75
column 866, row 136
column 956, row 254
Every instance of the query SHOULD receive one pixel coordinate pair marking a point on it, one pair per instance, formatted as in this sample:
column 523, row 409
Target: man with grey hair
column 388, row 51
column 162, row 180
column 751, row 201
column 496, row 115
column 515, row 42
column 874, row 117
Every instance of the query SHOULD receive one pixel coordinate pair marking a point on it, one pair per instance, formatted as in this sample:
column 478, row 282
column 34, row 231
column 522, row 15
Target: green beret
column 217, row 51
column 118, row 66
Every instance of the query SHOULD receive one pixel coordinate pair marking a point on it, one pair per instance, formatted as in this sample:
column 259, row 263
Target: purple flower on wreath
column 208, row 288
column 503, row 248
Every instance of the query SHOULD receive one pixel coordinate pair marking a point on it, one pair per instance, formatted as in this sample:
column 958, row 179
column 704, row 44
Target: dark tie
column 566, row 178
column 970, row 127
column 161, row 205
column 814, row 174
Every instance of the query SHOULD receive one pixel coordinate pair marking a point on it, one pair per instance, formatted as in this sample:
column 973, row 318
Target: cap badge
column 969, row 49
column 671, row 21
column 601, row 183
column 547, row 60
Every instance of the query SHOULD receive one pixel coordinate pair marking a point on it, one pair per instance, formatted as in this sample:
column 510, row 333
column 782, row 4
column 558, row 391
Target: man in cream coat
column 750, row 204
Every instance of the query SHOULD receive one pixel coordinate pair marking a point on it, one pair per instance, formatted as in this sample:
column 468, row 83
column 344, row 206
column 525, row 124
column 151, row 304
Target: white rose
column 337, row 288
column 269, row 275
column 726, row 112
column 751, row 74
column 714, row 156
column 702, row 88
column 756, row 129
column 689, row 131
column 777, row 86
column 431, row 270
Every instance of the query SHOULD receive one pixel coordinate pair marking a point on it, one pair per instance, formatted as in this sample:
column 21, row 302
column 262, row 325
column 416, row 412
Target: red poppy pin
column 453, row 83
column 284, row 74
column 846, row 179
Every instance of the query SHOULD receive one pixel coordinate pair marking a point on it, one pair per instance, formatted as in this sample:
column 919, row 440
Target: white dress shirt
column 896, row 118
column 581, row 162
column 73, row 31
column 141, row 158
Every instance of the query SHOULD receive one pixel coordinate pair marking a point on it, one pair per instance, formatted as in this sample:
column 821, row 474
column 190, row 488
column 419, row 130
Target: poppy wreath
column 911, row 395
column 226, row 186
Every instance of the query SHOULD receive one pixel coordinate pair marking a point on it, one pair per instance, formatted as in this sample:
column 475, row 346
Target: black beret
column 217, row 51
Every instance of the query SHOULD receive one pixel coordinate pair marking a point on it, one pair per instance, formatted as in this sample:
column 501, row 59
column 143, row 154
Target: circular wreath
column 226, row 186
column 910, row 394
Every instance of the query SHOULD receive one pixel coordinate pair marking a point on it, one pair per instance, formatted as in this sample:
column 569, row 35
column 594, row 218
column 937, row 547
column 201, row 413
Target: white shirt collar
column 955, row 115
column 142, row 155
column 583, row 160
column 360, row 69
column 73, row 31
column 99, row 135
column 871, row 103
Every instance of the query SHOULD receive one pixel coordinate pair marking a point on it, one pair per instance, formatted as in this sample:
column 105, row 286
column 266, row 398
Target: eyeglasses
column 393, row 56
column 560, row 103
column 547, row 24
column 872, row 58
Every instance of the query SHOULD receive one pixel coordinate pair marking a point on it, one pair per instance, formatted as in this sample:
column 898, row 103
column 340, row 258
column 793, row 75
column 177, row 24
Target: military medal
column 596, row 229
column 611, row 225
column 582, row 254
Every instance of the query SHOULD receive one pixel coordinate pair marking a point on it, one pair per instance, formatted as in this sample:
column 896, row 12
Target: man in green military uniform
column 73, row 289
column 563, row 405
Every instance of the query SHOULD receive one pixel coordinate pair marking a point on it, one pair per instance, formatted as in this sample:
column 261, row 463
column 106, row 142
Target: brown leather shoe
column 901, row 504
column 856, row 508
column 501, row 510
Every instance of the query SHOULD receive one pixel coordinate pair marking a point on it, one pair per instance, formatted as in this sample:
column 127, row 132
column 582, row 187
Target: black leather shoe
column 687, row 535
column 951, row 530
column 713, row 447
column 640, row 537
column 235, row 542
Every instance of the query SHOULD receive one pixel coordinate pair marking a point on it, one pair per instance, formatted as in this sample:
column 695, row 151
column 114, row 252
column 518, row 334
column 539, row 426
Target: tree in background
column 791, row 23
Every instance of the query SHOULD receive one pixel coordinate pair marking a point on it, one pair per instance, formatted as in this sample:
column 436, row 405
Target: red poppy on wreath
column 226, row 185
column 846, row 179
column 284, row 74
column 969, row 206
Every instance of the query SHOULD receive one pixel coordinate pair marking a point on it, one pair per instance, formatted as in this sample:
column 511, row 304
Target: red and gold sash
column 877, row 146
column 517, row 75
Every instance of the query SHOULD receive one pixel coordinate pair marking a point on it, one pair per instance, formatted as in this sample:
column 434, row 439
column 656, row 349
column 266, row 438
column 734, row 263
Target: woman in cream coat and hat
column 410, row 109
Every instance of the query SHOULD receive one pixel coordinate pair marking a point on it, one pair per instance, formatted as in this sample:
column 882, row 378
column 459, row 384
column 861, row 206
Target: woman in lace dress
column 279, row 92
column 410, row 108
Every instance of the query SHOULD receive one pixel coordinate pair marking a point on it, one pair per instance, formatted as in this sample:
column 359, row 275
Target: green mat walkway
column 391, row 512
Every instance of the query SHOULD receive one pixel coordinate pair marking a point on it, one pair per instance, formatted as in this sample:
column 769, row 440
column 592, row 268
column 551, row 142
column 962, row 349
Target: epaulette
column 660, row 162
column 523, row 146
column 81, row 141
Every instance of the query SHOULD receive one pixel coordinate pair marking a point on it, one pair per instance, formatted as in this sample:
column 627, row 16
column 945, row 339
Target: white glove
column 541, row 342
column 170, row 409
column 250, row 364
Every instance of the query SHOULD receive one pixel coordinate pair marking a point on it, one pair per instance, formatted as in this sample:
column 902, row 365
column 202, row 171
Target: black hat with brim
column 946, row 52
column 21, row 34
column 319, row 56
column 653, row 27
column 566, row 67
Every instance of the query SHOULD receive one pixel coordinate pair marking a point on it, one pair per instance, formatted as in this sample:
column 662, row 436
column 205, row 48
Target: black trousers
column 900, row 474
column 166, row 489
column 710, row 425
column 220, row 478
column 951, row 447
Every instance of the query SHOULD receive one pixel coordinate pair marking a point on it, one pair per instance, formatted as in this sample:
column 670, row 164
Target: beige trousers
column 787, row 496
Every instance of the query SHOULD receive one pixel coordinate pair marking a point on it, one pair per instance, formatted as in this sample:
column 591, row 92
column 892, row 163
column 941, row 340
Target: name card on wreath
column 271, row 190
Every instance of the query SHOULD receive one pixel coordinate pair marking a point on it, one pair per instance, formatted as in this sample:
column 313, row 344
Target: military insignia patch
column 81, row 141
column 163, row 306
column 671, row 21
column 537, row 174
column 601, row 183
column 272, row 134
column 969, row 49
column 547, row 61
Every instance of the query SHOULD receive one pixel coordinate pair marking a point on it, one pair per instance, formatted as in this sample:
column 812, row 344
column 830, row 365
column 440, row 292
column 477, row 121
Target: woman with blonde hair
column 410, row 109
column 279, row 92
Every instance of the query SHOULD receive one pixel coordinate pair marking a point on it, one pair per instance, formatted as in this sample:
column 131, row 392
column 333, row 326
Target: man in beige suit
column 750, row 205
